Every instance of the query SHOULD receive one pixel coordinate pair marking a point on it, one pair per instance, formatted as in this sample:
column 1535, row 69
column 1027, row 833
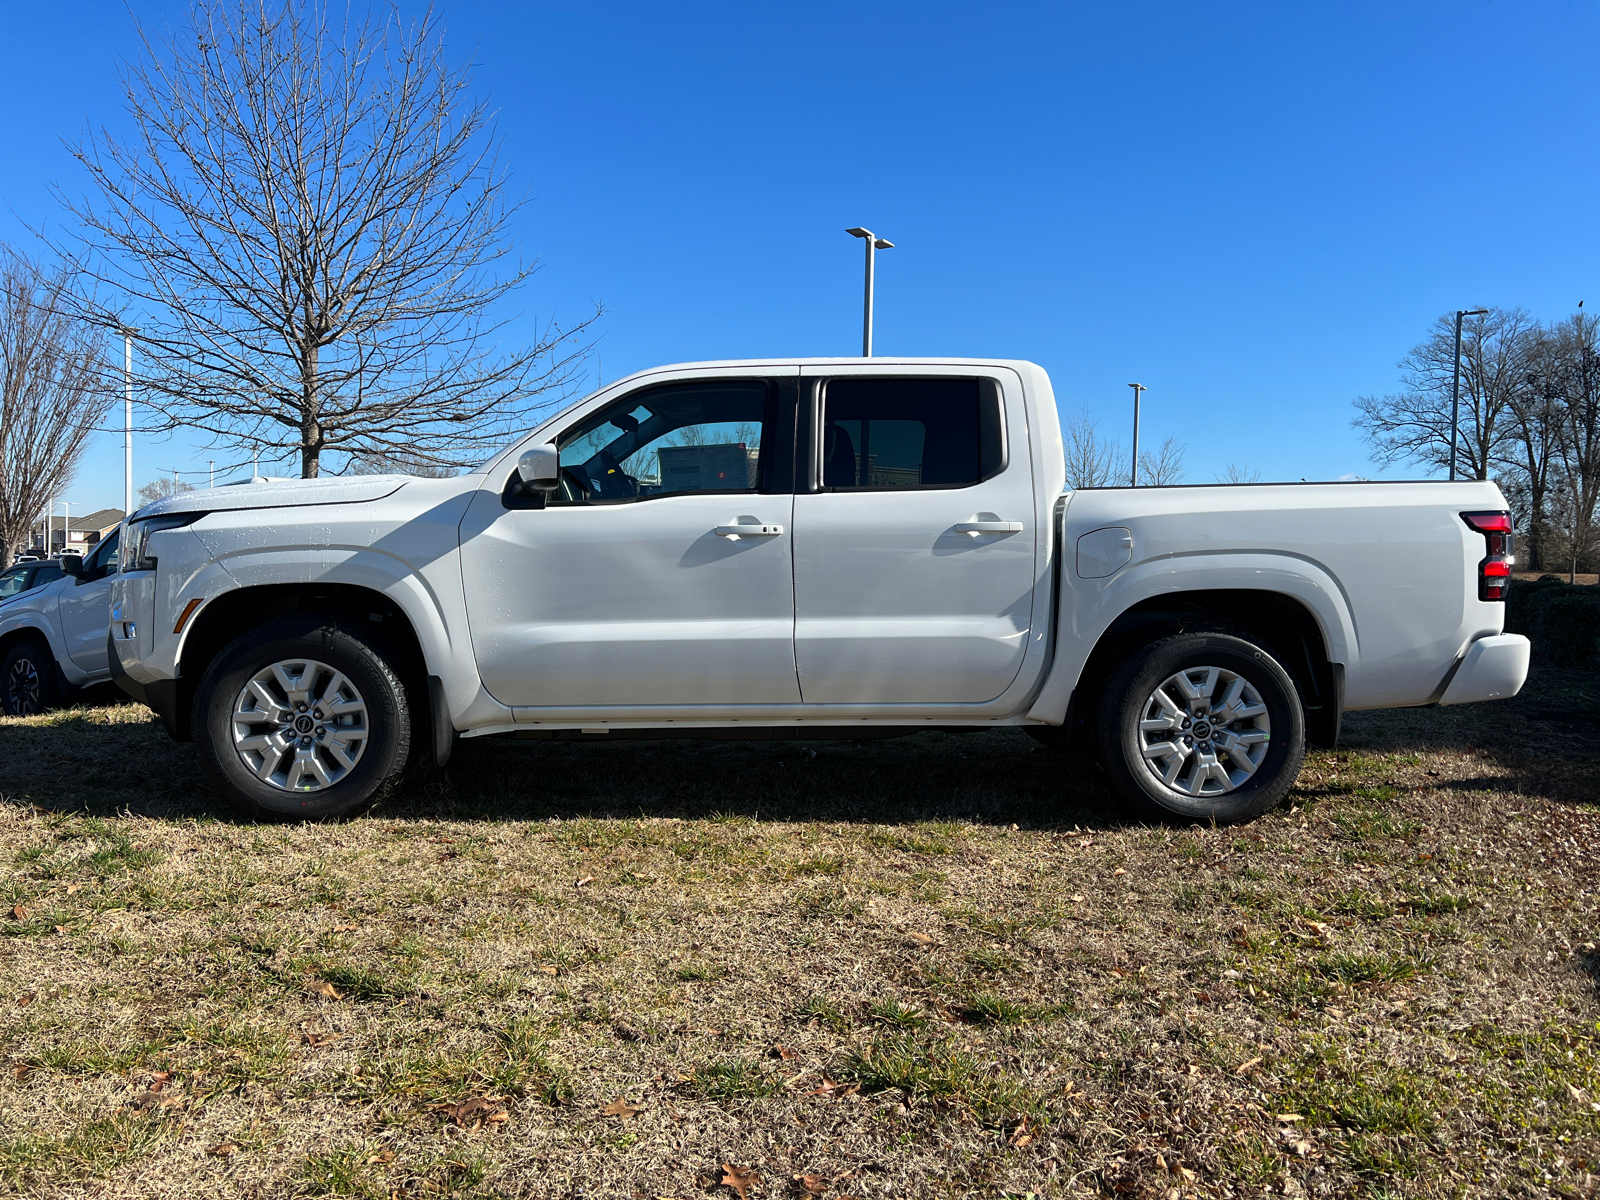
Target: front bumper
column 1493, row 668
column 160, row 695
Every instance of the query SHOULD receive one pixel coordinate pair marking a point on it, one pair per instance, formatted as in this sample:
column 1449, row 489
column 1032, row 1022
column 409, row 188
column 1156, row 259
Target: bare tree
column 50, row 395
column 1531, row 454
column 162, row 488
column 1578, row 351
column 1163, row 466
column 311, row 223
column 1414, row 425
column 1238, row 473
column 1091, row 460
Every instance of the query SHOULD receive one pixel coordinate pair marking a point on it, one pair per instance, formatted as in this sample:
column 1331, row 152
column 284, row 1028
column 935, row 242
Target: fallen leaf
column 1118, row 871
column 22, row 1071
column 621, row 1108
column 322, row 1039
column 585, row 881
column 62, row 929
column 324, row 989
column 25, row 999
column 1076, row 899
column 74, row 887
column 474, row 1110
column 1577, row 1094
column 739, row 1179
column 222, row 1149
column 383, row 1156
column 1290, row 1118
column 811, row 1184
column 1246, row 1067
column 1020, row 1135
column 1187, row 1175
column 920, row 939
column 345, row 928
column 19, row 913
column 782, row 1051
column 547, row 969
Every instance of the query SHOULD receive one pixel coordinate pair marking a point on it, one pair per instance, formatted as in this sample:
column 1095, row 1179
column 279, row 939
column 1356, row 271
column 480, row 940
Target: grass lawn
column 939, row 966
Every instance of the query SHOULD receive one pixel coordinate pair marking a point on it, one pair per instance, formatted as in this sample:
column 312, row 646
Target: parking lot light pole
column 1134, row 474
column 1455, row 386
column 874, row 244
column 127, row 332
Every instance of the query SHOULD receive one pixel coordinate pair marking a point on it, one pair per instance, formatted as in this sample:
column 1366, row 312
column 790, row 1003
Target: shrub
column 1561, row 619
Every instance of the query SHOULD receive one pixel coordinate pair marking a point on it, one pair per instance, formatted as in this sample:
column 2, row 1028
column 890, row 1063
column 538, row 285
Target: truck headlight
column 136, row 545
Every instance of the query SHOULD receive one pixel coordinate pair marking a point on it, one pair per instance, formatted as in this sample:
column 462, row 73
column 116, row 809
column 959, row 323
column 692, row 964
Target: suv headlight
column 136, row 545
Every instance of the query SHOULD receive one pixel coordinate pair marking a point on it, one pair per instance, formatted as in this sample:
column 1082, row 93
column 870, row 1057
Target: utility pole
column 211, row 473
column 1455, row 386
column 1134, row 474
column 127, row 419
column 873, row 244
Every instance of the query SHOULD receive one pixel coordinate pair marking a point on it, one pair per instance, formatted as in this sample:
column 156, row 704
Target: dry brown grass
column 1387, row 988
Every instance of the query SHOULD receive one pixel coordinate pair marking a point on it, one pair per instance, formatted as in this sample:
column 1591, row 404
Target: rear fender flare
column 1088, row 607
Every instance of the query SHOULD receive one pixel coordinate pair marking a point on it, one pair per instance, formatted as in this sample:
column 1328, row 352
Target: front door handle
column 977, row 527
column 748, row 527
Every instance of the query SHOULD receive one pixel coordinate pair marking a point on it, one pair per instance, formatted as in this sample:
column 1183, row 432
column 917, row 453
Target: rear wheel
column 1204, row 726
column 28, row 679
column 302, row 718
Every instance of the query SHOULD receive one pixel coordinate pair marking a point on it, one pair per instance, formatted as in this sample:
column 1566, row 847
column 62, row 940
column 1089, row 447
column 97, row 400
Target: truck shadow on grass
column 111, row 761
column 116, row 759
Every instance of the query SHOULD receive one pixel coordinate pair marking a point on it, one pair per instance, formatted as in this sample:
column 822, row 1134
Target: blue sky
column 1254, row 210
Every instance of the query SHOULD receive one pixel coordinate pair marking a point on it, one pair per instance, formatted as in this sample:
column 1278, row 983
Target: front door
column 914, row 542
column 634, row 584
column 85, row 606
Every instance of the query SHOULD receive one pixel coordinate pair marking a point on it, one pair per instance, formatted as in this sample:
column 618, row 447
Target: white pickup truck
column 804, row 549
column 52, row 635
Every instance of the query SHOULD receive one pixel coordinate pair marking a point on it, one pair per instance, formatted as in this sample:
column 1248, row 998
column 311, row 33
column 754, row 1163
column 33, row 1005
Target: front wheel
column 302, row 718
column 27, row 679
column 1202, row 726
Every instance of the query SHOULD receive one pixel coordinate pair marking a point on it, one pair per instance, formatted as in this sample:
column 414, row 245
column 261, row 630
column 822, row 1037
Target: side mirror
column 72, row 565
column 541, row 467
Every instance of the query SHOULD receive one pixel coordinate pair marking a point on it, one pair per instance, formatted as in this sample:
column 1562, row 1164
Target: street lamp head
column 1473, row 312
column 1140, row 386
column 859, row 232
column 881, row 244
column 128, row 330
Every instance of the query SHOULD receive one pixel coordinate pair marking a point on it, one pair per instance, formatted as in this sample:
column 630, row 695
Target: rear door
column 914, row 540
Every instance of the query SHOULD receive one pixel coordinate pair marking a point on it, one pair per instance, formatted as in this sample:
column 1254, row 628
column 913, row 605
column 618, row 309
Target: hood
column 279, row 493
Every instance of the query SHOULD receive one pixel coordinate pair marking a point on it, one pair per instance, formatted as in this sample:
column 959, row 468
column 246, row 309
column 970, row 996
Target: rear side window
column 898, row 434
column 12, row 582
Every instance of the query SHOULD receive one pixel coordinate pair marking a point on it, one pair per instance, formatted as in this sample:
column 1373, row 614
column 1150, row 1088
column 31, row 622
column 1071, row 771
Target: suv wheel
column 27, row 679
column 1202, row 726
column 302, row 718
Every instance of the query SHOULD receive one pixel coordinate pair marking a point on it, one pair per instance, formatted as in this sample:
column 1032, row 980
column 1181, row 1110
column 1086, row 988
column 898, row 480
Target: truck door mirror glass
column 71, row 564
column 541, row 468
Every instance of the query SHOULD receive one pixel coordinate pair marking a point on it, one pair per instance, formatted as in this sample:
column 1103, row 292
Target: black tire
column 383, row 754
column 28, row 679
column 1133, row 688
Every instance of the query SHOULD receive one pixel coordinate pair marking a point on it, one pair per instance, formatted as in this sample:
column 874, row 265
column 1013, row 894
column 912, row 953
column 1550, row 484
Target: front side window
column 698, row 437
column 103, row 561
column 895, row 434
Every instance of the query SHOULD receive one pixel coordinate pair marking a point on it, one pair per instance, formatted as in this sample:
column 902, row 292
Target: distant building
column 79, row 533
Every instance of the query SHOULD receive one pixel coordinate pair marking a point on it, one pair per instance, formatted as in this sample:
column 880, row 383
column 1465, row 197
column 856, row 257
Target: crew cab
column 53, row 627
column 804, row 549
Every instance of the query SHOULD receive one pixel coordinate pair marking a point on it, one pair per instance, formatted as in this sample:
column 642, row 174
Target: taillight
column 1494, row 572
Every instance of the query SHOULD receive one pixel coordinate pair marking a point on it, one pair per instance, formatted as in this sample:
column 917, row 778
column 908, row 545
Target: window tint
column 701, row 437
column 910, row 433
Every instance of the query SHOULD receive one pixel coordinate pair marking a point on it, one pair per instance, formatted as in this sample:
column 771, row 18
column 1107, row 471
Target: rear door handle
column 742, row 529
column 977, row 527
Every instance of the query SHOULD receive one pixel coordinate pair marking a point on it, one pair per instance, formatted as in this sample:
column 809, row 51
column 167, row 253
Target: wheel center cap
column 1202, row 729
column 304, row 724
